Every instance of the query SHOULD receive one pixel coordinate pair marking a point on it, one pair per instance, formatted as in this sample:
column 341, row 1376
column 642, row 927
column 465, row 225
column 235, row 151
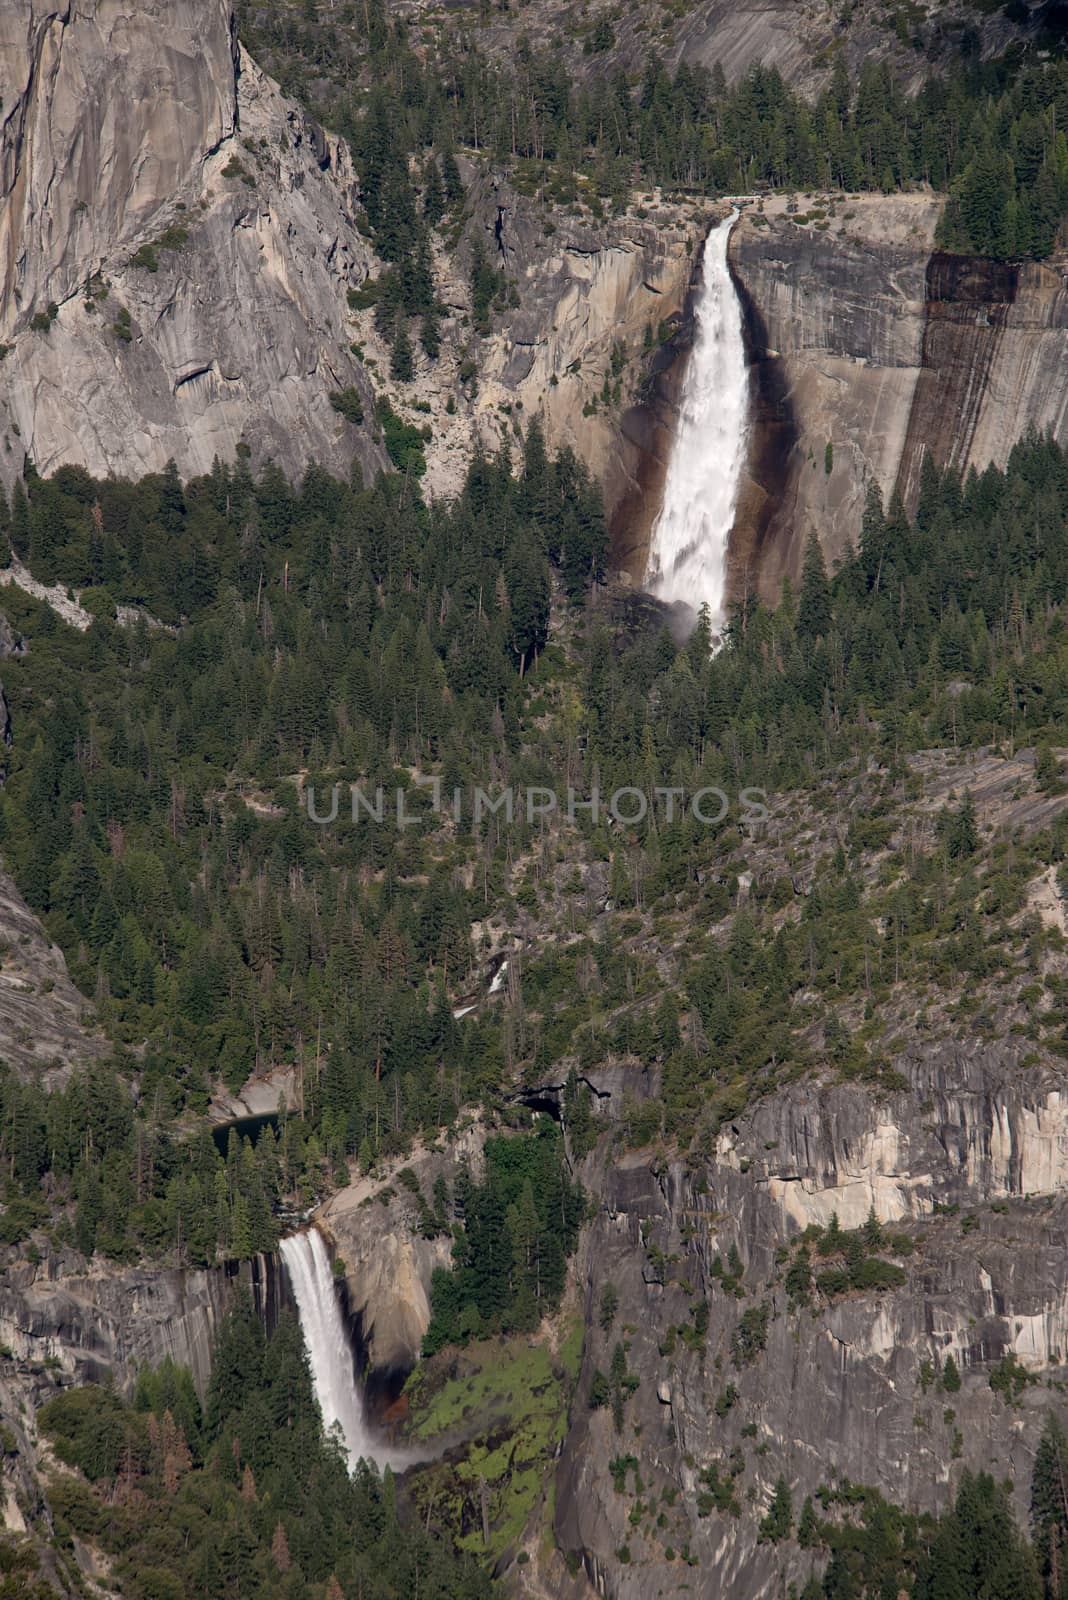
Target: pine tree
column 433, row 195
column 959, row 831
column 401, row 358
column 814, row 600
column 241, row 1229
column 776, row 1524
column 450, row 174
column 1049, row 1507
column 873, row 1233
column 808, row 1528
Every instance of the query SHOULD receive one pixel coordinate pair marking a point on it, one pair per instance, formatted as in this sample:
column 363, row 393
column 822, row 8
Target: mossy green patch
column 508, row 1401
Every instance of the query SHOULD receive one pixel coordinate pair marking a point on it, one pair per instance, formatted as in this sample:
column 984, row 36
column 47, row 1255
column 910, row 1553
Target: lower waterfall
column 329, row 1348
column 688, row 551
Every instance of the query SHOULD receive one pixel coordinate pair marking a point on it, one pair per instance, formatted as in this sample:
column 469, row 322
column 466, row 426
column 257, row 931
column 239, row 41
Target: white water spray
column 329, row 1350
column 688, row 553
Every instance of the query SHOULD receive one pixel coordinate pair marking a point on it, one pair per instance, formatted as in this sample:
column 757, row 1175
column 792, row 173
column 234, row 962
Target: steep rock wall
column 116, row 127
column 598, row 289
column 107, row 110
column 880, row 346
column 836, row 322
column 587, row 297
column 99, row 1324
column 995, row 354
column 388, row 1264
column 838, row 1389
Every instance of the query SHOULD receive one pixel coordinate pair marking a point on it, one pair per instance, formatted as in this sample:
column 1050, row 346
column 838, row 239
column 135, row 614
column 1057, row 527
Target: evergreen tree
column 401, row 362
column 778, row 1521
column 814, row 597
column 1049, row 1508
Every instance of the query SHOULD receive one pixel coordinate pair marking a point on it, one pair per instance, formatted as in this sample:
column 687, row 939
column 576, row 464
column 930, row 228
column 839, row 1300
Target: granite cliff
column 175, row 245
column 866, row 339
column 963, row 1168
column 968, row 1164
column 173, row 285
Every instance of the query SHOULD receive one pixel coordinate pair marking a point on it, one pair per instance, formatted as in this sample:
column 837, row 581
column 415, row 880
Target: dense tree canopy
column 991, row 132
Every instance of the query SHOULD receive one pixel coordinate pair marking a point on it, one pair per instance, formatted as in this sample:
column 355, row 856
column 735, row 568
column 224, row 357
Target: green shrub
column 368, row 294
column 403, row 441
column 750, row 1336
column 348, row 404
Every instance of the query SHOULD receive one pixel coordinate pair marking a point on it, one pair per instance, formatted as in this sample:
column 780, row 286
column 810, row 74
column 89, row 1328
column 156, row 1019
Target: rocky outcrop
column 176, row 241
column 591, row 302
column 98, row 1325
column 798, row 38
column 259, row 1097
column 870, row 348
column 373, row 1226
column 45, row 1028
column 970, row 1162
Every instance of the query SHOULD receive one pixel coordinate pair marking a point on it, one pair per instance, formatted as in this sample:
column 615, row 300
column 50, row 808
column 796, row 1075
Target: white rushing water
column 329, row 1350
column 688, row 552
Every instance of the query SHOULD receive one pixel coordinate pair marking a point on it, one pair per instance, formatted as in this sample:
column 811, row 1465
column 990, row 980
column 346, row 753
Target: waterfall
column 688, row 553
column 329, row 1349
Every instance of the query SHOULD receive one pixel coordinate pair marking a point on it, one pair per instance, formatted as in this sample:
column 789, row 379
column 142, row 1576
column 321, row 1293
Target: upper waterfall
column 688, row 553
column 329, row 1349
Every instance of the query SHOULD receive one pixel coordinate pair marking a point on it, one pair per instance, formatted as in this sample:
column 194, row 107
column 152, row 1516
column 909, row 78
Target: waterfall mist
column 688, row 552
column 330, row 1349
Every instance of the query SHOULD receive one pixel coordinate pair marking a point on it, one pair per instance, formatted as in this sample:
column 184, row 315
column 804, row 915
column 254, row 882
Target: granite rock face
column 588, row 292
column 99, row 1323
column 971, row 1162
column 64, row 1323
column 798, row 38
column 866, row 339
column 388, row 1264
column 121, row 130
column 588, row 303
column 994, row 357
column 45, row 1028
column 107, row 112
column 835, row 324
